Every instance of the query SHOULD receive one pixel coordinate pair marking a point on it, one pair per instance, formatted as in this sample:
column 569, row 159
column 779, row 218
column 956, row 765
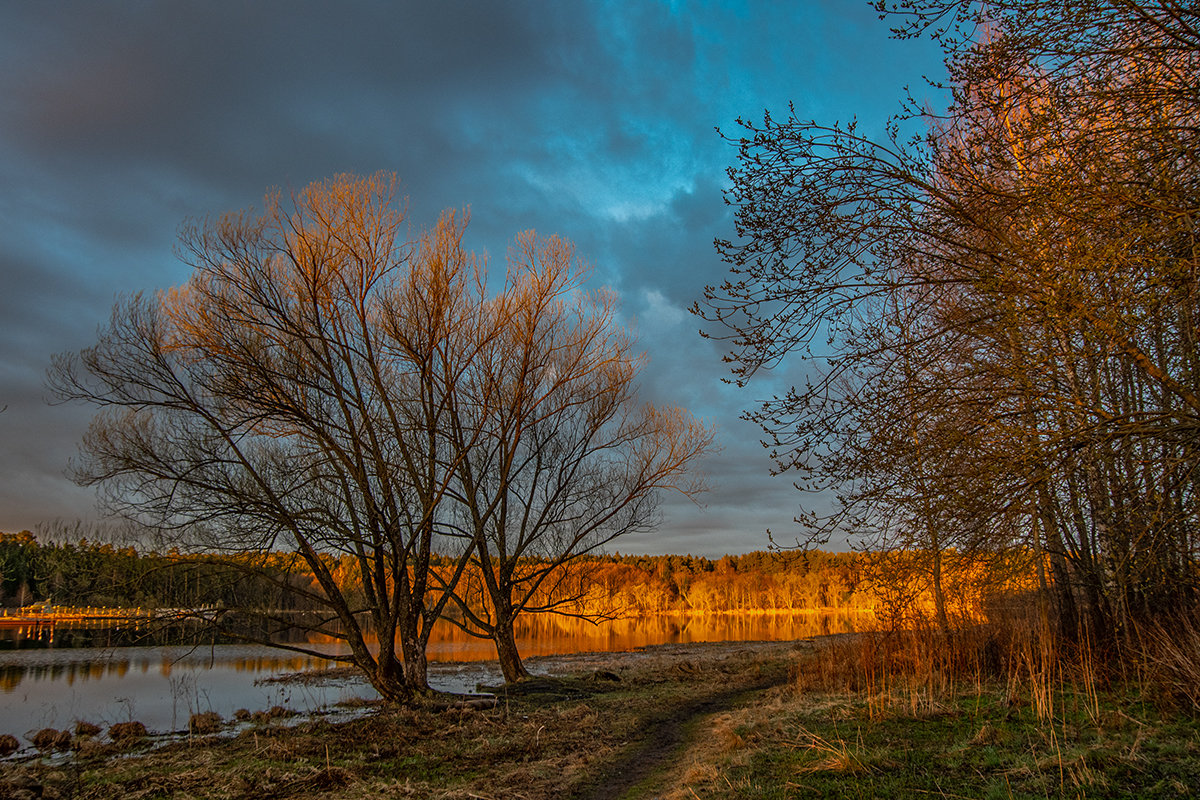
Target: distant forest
column 86, row 573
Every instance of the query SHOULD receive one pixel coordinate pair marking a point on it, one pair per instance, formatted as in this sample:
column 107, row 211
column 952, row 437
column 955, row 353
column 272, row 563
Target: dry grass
column 85, row 728
column 48, row 739
column 205, row 722
column 1000, row 710
column 126, row 732
column 915, row 672
column 826, row 756
column 1169, row 659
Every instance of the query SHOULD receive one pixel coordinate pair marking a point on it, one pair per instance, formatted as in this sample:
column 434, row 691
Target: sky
column 594, row 121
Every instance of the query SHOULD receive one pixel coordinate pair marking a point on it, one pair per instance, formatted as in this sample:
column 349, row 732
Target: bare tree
column 348, row 414
column 567, row 457
column 293, row 398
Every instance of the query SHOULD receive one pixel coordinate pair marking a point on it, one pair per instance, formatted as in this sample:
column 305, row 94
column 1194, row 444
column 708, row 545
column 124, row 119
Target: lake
column 54, row 675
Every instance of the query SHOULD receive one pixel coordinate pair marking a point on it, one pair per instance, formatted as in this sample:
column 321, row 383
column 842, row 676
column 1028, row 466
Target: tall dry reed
column 1168, row 658
column 917, row 669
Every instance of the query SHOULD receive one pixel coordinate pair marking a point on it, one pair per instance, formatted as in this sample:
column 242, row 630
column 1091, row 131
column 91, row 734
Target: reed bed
column 917, row 668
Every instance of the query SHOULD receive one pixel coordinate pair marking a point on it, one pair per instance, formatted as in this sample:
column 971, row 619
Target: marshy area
column 997, row 710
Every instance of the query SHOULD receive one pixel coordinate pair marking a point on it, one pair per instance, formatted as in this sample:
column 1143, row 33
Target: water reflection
column 106, row 649
column 159, row 686
column 549, row 634
column 97, row 665
column 50, row 678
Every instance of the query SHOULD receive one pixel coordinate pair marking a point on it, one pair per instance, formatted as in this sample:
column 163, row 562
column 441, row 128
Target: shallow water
column 43, row 684
column 162, row 686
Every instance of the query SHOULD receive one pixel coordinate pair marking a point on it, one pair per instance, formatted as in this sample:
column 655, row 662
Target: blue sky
column 595, row 121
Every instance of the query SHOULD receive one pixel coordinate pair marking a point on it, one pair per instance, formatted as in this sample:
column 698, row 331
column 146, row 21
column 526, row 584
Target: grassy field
column 838, row 717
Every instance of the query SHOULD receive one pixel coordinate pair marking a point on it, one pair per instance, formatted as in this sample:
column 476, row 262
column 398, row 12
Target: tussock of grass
column 826, row 756
column 205, row 722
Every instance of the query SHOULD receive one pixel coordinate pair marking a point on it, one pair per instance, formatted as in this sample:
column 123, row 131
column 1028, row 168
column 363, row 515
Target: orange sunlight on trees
column 998, row 313
column 564, row 457
column 326, row 391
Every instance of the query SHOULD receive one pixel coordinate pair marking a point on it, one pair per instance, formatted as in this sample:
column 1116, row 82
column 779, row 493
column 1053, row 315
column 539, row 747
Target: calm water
column 48, row 680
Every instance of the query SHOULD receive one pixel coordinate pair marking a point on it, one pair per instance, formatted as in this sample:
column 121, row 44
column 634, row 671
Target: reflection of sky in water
column 162, row 686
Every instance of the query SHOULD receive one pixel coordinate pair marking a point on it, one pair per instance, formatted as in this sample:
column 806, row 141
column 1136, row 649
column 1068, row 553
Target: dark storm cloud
column 591, row 120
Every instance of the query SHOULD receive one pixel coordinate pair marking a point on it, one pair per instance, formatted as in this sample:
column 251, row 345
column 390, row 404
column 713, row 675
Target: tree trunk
column 416, row 666
column 389, row 679
column 939, row 593
column 416, row 669
column 506, row 650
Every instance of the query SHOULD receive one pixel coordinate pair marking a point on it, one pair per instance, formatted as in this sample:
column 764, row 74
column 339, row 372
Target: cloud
column 659, row 314
column 593, row 120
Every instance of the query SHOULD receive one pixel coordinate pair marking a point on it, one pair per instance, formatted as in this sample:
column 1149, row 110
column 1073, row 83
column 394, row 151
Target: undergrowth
column 996, row 711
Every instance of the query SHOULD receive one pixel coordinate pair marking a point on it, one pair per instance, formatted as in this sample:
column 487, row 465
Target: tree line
column 94, row 574
column 99, row 574
column 994, row 306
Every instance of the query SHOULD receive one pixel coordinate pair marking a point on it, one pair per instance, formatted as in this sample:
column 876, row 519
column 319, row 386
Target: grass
column 977, row 745
column 984, row 713
column 989, row 712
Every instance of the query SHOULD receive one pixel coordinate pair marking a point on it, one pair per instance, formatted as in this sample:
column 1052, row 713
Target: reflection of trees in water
column 553, row 634
column 230, row 628
column 538, row 635
column 163, row 662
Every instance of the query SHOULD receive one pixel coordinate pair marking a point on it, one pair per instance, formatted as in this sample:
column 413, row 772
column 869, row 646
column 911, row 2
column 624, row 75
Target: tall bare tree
column 293, row 398
column 568, row 458
column 351, row 409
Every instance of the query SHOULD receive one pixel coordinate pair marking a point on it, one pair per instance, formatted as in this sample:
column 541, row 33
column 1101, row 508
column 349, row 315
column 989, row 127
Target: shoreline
column 716, row 721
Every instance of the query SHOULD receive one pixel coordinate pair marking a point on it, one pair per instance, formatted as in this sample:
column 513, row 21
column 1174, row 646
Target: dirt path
column 661, row 742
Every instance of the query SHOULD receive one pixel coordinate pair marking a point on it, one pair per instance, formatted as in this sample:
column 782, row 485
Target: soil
column 659, row 743
column 663, row 739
